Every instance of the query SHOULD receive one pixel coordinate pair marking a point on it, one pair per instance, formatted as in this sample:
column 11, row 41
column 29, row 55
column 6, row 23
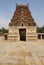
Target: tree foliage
column 40, row 29
column 3, row 30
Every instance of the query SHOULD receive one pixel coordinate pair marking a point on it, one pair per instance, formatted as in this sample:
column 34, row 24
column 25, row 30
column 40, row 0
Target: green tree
column 4, row 30
column 40, row 29
column 43, row 29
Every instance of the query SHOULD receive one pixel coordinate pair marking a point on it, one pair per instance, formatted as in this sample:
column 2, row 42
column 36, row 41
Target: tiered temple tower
column 22, row 26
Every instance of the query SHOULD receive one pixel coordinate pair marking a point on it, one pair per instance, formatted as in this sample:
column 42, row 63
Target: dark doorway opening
column 39, row 36
column 42, row 36
column 5, row 37
column 22, row 33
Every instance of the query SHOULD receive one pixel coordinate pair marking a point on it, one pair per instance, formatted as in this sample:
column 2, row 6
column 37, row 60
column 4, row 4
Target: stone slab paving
column 22, row 53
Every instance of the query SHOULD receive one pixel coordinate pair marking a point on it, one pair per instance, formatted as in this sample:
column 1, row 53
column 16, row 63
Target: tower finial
column 16, row 4
column 27, row 4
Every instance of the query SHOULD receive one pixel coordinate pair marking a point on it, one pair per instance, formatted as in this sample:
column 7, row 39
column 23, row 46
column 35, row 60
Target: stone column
column 41, row 36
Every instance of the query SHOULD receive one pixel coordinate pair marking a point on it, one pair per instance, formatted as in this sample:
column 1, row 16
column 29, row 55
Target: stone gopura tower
column 22, row 26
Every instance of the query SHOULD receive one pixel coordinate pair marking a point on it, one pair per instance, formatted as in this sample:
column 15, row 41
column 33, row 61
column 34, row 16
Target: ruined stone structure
column 22, row 26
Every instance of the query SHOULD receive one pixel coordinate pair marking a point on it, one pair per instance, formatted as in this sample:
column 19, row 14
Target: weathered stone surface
column 22, row 53
column 23, row 15
column 22, row 19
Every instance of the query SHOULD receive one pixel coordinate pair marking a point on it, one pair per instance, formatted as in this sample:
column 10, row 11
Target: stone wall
column 30, row 32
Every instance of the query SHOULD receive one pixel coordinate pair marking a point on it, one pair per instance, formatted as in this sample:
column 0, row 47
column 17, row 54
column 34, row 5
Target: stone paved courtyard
column 22, row 53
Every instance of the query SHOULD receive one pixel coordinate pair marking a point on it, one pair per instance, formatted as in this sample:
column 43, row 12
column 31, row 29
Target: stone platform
column 22, row 53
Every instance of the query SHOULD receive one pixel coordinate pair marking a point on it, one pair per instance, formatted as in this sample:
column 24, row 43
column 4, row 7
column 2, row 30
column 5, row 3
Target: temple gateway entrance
column 22, row 26
column 22, row 34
